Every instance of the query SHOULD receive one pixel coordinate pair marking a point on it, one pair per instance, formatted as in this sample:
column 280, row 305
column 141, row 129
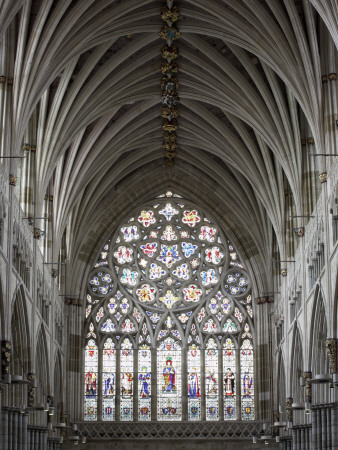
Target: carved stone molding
column 178, row 430
column 288, row 405
column 331, row 348
column 12, row 180
column 323, row 177
column 6, row 351
column 308, row 388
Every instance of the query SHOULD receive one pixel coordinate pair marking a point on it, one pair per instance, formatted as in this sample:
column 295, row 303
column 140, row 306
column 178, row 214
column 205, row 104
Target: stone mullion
column 184, row 383
column 153, row 383
column 135, row 385
column 99, row 383
column 238, row 384
column 202, row 386
column 220, row 384
column 118, row 386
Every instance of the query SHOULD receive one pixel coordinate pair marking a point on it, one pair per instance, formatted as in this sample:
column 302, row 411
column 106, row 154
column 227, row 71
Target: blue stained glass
column 188, row 249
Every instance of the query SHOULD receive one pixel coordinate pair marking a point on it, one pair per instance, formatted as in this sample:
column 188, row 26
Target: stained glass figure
column 210, row 326
column 124, row 254
column 144, row 383
column 108, row 380
column 130, row 233
column 207, row 233
column 164, row 280
column 129, row 277
column 211, row 380
column 247, row 385
column 229, row 380
column 194, row 383
column 213, row 255
column 126, row 380
column 91, row 373
column 169, row 380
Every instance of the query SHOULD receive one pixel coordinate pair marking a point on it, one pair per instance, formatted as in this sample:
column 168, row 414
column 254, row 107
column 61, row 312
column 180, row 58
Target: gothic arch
column 58, row 384
column 297, row 364
column 170, row 281
column 319, row 331
column 42, row 366
column 21, row 359
column 281, row 387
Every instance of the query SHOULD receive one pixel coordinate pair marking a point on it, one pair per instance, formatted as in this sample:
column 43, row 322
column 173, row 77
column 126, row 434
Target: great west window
column 169, row 326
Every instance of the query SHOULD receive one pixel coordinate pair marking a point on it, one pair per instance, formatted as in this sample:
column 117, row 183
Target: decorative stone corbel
column 323, row 177
column 12, row 180
column 6, row 351
column 288, row 405
column 308, row 389
column 331, row 348
column 31, row 389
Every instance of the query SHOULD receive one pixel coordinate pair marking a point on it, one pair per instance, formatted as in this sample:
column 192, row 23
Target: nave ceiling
column 87, row 73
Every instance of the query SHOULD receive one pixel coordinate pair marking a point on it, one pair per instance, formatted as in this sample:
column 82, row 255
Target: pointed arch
column 42, row 366
column 21, row 349
column 58, row 385
column 297, row 364
column 317, row 356
column 281, row 388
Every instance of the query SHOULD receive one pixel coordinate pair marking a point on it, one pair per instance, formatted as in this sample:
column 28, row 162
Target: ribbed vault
column 88, row 73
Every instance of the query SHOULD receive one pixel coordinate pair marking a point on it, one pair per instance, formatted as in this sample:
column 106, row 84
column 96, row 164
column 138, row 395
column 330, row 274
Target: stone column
column 324, row 427
column 19, row 446
column 334, row 428
column 302, row 439
column 24, row 432
column 329, row 427
column 10, row 429
column 319, row 428
column 15, row 431
column 4, row 429
column 294, row 439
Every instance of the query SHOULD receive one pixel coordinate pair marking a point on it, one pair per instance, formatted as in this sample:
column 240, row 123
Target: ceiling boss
column 169, row 83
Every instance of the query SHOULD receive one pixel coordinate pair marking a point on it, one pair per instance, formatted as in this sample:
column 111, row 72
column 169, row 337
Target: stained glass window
column 91, row 372
column 194, row 383
column 229, row 380
column 144, row 383
column 108, row 380
column 168, row 280
column 211, row 380
column 126, row 380
column 169, row 404
column 247, row 381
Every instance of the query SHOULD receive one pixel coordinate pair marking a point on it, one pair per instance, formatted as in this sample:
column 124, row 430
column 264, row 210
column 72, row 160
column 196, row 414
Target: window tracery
column 169, row 289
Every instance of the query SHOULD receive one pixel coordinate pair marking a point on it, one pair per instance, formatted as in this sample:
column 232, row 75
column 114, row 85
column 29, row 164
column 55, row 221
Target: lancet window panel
column 167, row 299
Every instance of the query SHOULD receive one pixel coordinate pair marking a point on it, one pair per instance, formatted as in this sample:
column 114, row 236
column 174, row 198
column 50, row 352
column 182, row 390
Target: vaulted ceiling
column 87, row 76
